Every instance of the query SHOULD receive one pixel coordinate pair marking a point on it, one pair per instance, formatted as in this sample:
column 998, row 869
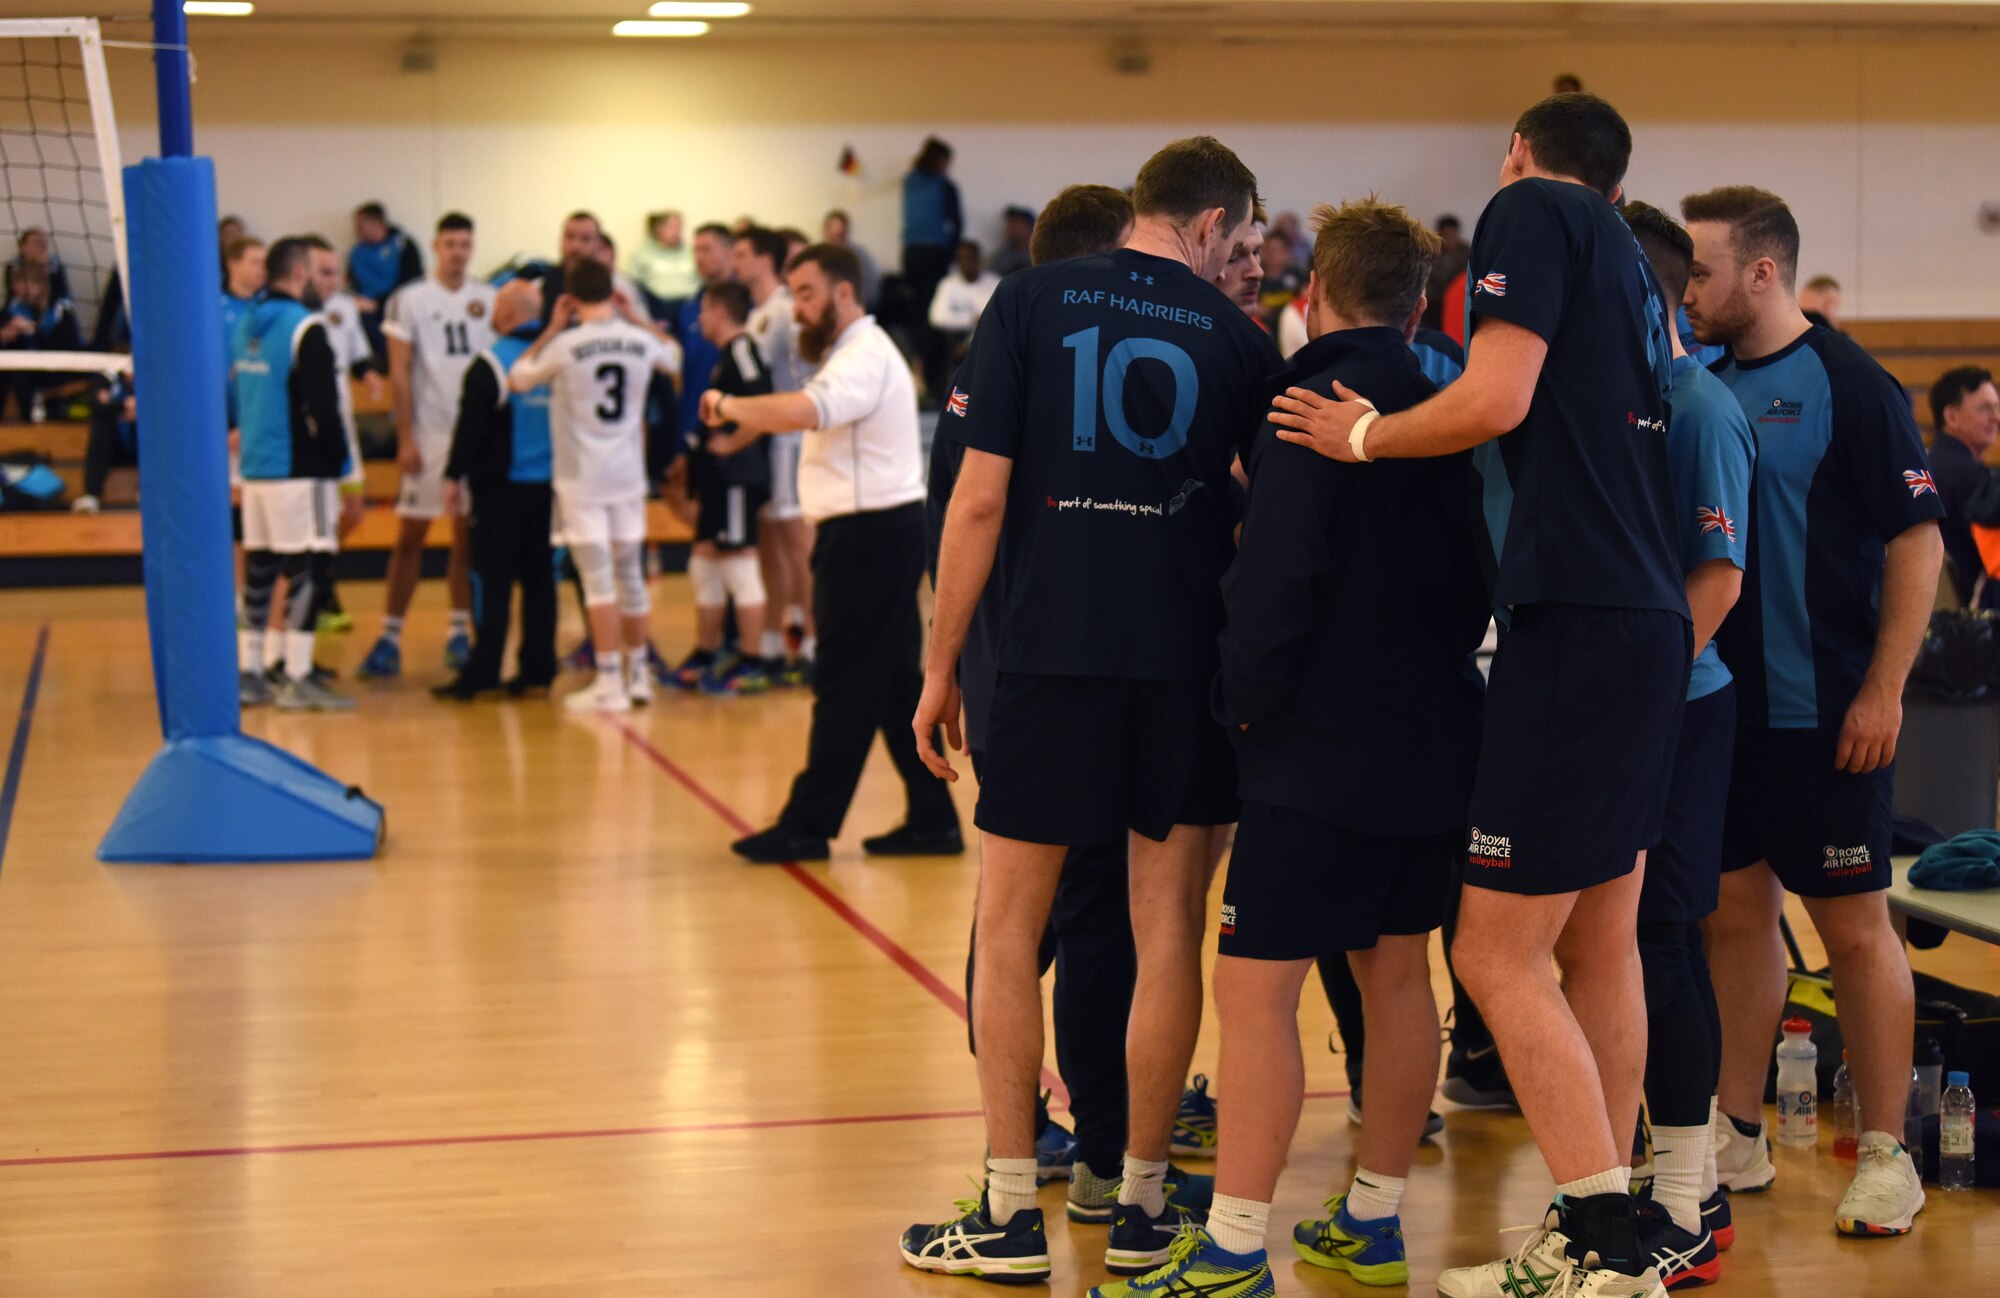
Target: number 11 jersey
column 598, row 374
column 1121, row 386
column 445, row 328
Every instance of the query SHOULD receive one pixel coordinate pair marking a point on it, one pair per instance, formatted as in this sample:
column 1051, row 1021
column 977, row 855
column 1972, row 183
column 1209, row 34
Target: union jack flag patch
column 956, row 403
column 1712, row 519
column 1496, row 284
column 1919, row 481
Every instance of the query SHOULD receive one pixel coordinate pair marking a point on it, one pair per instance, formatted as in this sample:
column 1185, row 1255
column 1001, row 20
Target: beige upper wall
column 1737, row 75
column 1885, row 146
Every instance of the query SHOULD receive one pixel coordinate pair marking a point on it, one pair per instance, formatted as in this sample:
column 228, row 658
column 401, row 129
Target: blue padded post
column 211, row 794
column 179, row 361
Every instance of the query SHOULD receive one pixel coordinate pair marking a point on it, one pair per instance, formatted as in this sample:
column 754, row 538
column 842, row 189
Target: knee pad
column 628, row 563
column 744, row 578
column 1669, row 973
column 593, row 572
column 711, row 588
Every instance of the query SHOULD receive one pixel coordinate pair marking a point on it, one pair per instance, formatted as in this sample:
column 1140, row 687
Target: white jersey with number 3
column 598, row 374
column 445, row 328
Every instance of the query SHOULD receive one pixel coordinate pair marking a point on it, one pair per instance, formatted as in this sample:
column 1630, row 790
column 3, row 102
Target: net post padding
column 211, row 794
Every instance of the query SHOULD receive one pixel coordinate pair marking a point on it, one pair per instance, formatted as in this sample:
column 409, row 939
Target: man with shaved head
column 500, row 454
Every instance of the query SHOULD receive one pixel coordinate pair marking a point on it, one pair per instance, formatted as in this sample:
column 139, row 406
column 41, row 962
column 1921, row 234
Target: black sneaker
column 780, row 845
column 1140, row 1240
column 970, row 1244
column 519, row 687
column 1475, row 1079
column 905, row 841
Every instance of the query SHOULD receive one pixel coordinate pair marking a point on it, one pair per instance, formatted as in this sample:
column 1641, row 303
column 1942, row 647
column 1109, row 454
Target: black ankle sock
column 1607, row 1225
column 1748, row 1130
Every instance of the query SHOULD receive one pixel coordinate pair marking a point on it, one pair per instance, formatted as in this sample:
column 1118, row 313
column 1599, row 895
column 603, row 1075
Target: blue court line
column 17, row 756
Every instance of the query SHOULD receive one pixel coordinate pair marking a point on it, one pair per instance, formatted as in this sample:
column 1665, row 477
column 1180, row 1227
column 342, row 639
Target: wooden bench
column 116, row 532
column 1918, row 352
column 1976, row 914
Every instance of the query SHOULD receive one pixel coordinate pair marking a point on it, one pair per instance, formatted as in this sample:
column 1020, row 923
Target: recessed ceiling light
column 641, row 27
column 697, row 9
column 218, row 8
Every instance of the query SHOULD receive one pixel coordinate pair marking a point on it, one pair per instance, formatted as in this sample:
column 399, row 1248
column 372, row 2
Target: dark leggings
column 1683, row 1028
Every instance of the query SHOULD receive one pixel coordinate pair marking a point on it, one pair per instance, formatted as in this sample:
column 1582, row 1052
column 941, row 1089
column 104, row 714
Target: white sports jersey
column 350, row 347
column 344, row 332
column 777, row 333
column 598, row 374
column 445, row 330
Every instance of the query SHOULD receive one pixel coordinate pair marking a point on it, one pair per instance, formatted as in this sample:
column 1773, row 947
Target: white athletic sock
column 610, row 668
column 1010, row 1187
column 276, row 646
column 392, row 630
column 809, row 648
column 298, row 654
column 1238, row 1225
column 1374, row 1196
column 1678, row 1156
column 1145, row 1185
column 1616, row 1181
column 250, row 651
column 461, row 621
column 1709, row 1183
column 772, row 645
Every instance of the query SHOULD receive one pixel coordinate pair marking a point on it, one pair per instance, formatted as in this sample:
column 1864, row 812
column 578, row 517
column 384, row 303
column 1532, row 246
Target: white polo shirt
column 866, row 453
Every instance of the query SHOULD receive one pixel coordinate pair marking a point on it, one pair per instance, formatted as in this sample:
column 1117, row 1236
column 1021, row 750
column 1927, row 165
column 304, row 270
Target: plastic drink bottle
column 1798, row 1085
column 1955, row 1124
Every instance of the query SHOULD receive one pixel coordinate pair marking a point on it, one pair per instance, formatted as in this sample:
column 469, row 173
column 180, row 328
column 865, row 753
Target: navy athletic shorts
column 1826, row 832
column 1082, row 759
column 726, row 515
column 1583, row 710
column 1684, row 869
column 1300, row 887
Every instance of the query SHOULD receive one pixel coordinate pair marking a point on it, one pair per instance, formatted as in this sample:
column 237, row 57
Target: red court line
column 853, row 918
column 493, row 1138
column 514, row 1137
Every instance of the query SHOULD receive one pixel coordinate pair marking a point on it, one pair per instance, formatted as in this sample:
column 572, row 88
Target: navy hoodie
column 1354, row 608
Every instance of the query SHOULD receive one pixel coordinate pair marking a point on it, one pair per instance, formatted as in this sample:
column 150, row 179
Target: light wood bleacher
column 1918, row 352
column 116, row 531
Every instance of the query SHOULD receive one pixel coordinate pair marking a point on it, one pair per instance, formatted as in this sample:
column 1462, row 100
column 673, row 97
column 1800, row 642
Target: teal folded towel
column 1962, row 864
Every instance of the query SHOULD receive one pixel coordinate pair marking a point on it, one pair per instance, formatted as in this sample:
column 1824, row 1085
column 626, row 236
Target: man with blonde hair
column 1353, row 802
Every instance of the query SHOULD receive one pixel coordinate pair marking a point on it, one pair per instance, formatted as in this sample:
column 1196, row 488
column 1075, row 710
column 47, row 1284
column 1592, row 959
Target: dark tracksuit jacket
column 1354, row 608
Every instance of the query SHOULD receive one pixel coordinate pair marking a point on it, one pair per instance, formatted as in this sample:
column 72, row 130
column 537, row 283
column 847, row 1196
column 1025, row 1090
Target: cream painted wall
column 1885, row 147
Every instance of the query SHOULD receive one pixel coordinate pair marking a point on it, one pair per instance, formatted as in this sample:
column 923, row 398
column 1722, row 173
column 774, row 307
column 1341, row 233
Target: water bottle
column 1955, row 1125
column 1913, row 1124
column 1846, row 1121
column 38, row 409
column 1798, row 1085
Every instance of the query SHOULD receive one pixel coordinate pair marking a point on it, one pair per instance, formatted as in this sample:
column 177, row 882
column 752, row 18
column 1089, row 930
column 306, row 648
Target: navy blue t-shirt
column 1587, row 496
column 1840, row 473
column 1121, row 386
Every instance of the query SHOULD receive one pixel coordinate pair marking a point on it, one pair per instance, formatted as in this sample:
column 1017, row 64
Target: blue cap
column 1958, row 1079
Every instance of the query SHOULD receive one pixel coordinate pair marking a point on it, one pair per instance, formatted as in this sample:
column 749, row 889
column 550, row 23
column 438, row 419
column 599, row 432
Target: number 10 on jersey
column 1109, row 394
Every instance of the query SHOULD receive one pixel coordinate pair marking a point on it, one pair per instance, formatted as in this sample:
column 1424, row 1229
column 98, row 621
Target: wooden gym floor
column 556, row 1041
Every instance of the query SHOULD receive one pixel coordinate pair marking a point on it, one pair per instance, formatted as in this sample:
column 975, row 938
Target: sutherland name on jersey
column 1137, row 306
column 611, row 347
